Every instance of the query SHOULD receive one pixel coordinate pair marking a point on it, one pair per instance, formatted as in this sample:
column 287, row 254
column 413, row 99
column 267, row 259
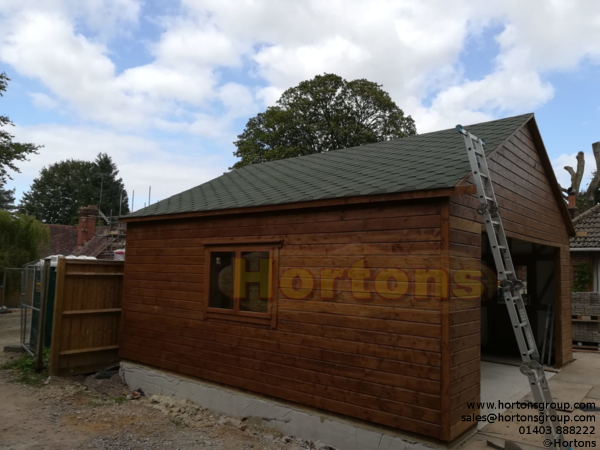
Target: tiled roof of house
column 426, row 161
column 95, row 246
column 587, row 229
column 63, row 240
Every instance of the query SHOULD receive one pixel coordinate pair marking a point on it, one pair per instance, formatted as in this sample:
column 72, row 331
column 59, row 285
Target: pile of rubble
column 192, row 415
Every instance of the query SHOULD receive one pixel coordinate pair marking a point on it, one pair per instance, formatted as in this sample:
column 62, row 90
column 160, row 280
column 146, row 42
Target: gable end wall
column 530, row 212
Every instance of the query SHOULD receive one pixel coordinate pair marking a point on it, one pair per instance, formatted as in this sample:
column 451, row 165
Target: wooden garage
column 350, row 281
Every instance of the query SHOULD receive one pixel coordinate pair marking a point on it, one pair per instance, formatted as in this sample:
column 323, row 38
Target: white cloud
column 217, row 62
column 269, row 95
column 411, row 47
column 476, row 101
column 237, row 99
column 158, row 82
column 107, row 18
column 45, row 47
column 142, row 162
column 188, row 43
column 43, row 101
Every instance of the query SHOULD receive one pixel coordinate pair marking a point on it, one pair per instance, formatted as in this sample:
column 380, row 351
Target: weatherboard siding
column 530, row 212
column 377, row 360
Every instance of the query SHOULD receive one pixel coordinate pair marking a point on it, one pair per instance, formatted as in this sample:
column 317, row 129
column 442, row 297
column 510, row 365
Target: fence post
column 3, row 288
column 39, row 348
column 57, row 320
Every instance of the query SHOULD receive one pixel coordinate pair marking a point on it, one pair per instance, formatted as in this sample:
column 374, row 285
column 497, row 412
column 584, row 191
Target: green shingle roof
column 426, row 161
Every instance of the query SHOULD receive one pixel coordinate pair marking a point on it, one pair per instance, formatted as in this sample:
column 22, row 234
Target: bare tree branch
column 595, row 183
column 577, row 175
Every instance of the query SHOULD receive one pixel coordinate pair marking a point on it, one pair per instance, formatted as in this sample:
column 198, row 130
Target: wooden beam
column 363, row 199
column 445, row 328
column 57, row 319
column 105, row 274
column 89, row 350
column 91, row 311
column 97, row 262
column 214, row 242
column 39, row 349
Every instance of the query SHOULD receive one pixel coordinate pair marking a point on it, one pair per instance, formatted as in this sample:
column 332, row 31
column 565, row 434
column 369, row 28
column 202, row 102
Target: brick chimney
column 87, row 224
column 572, row 204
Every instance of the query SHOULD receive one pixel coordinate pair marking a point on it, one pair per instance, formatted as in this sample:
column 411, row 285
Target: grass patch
column 23, row 371
column 119, row 399
column 105, row 401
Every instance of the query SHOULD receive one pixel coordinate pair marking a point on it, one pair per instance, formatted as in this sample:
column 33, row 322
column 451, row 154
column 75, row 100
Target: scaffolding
column 114, row 235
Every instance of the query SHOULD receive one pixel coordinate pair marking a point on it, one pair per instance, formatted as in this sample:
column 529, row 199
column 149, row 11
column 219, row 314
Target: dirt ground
column 85, row 413
column 9, row 332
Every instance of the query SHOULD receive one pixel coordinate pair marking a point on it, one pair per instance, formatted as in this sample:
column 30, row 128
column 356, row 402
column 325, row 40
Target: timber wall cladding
column 530, row 212
column 87, row 310
column 376, row 359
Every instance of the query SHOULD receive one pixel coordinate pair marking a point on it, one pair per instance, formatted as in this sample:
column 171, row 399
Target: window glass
column 255, row 282
column 221, row 280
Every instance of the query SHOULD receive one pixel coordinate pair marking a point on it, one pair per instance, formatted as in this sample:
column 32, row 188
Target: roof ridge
column 426, row 161
column 357, row 148
column 587, row 213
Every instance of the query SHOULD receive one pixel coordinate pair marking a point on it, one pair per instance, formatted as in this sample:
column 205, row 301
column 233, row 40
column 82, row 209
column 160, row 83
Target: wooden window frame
column 235, row 315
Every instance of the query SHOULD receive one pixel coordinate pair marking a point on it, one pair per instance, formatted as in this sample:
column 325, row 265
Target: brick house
column 585, row 250
column 85, row 239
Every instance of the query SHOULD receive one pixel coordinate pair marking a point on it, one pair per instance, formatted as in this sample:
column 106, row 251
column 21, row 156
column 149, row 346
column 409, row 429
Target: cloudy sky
column 165, row 87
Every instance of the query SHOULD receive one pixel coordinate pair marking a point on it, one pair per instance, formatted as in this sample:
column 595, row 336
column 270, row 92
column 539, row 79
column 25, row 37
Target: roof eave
column 355, row 200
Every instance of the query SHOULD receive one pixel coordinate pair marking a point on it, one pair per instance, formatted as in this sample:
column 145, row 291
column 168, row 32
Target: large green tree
column 10, row 151
column 111, row 186
column 62, row 188
column 319, row 115
column 21, row 239
column 7, row 197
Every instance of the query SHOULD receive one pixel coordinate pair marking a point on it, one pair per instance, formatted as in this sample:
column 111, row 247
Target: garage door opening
column 501, row 379
column 535, row 265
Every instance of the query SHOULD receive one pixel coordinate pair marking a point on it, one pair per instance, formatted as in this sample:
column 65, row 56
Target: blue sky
column 165, row 89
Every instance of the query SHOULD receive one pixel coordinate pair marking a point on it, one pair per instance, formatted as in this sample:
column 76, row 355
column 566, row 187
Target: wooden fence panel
column 87, row 316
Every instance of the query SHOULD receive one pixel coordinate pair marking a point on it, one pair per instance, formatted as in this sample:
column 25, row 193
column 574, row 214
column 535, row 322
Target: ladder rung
column 502, row 247
column 484, row 175
column 489, row 199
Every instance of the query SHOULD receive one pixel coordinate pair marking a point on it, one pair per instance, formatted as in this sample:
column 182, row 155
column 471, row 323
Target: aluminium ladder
column 509, row 283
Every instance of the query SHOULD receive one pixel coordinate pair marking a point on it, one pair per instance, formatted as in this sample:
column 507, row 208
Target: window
column 240, row 283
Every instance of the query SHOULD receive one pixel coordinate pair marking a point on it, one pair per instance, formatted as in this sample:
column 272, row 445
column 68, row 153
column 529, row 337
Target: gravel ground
column 86, row 413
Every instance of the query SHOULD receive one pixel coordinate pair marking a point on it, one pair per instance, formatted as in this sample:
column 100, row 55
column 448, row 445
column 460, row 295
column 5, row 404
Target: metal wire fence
column 34, row 287
column 30, row 285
